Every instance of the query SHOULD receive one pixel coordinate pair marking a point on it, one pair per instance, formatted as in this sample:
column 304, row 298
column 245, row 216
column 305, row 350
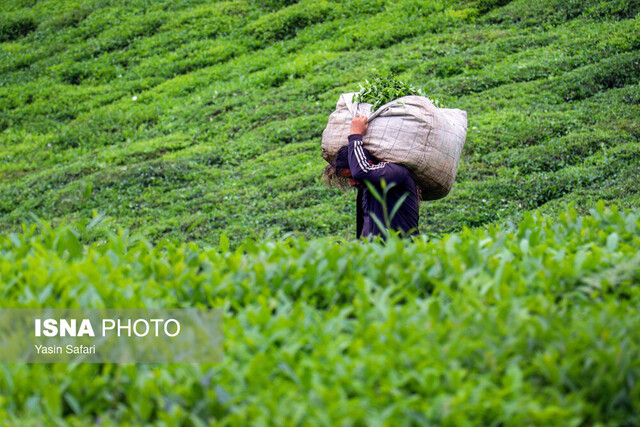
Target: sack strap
column 377, row 113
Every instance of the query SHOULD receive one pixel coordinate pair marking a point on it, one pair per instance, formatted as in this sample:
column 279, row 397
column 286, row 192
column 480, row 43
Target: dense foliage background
column 195, row 126
column 184, row 119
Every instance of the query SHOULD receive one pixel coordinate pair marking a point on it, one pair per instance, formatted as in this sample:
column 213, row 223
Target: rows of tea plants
column 533, row 323
column 191, row 119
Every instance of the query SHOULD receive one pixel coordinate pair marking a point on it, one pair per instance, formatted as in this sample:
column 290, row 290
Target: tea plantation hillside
column 535, row 324
column 189, row 119
column 166, row 154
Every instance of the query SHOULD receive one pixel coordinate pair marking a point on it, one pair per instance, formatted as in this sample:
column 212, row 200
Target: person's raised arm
column 362, row 169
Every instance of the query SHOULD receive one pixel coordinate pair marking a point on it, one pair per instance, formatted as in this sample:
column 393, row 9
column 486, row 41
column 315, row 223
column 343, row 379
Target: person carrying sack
column 398, row 209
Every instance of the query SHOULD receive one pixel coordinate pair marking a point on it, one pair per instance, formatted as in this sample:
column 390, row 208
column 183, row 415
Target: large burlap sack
column 410, row 131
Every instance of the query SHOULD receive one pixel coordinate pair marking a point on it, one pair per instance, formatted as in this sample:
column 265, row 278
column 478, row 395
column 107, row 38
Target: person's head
column 338, row 172
column 346, row 173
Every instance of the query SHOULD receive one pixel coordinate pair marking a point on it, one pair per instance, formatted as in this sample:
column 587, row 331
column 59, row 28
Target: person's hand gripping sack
column 359, row 125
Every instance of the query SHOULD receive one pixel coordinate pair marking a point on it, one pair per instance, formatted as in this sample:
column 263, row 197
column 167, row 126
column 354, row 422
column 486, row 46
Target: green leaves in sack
column 382, row 90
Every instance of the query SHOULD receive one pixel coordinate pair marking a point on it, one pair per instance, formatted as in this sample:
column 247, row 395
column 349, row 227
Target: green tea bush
column 72, row 18
column 557, row 153
column 557, row 11
column 285, row 23
column 274, row 4
column 598, row 9
column 487, row 5
column 534, row 323
column 618, row 71
column 358, row 8
column 15, row 27
column 220, row 85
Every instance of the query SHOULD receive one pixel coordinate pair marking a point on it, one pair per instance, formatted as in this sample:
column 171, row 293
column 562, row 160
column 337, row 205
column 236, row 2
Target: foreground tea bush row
column 535, row 323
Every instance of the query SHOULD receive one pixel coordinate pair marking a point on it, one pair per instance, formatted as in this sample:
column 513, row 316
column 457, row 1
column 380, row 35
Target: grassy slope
column 232, row 98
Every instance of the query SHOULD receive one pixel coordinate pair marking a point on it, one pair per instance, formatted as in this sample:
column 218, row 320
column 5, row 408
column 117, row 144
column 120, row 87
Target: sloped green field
column 529, row 325
column 187, row 119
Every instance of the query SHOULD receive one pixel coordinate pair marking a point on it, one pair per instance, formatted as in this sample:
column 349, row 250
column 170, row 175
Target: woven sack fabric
column 410, row 131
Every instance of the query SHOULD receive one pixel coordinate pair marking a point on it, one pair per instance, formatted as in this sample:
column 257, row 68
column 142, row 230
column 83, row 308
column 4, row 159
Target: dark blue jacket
column 363, row 169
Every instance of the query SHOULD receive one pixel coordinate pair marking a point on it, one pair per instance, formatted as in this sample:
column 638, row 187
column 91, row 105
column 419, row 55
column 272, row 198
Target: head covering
column 342, row 159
